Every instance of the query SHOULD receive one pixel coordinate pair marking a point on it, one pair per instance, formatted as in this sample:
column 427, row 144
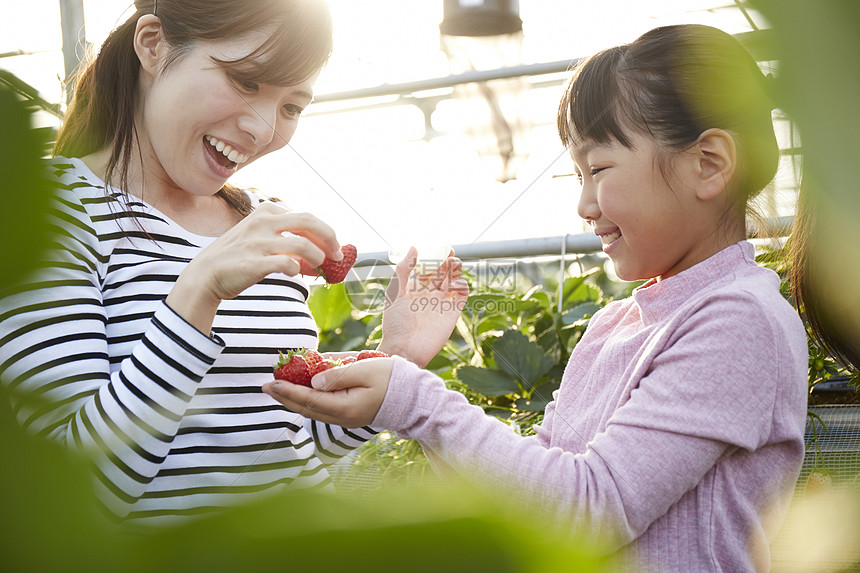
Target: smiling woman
column 277, row 43
column 167, row 295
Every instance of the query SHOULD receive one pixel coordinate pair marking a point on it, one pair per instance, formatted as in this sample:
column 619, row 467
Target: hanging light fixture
column 488, row 35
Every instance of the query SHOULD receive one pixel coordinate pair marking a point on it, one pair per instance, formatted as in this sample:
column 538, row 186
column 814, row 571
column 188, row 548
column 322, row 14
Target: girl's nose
column 587, row 207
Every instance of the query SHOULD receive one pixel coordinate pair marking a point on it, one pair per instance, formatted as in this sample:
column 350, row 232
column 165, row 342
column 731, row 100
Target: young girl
column 677, row 432
column 167, row 293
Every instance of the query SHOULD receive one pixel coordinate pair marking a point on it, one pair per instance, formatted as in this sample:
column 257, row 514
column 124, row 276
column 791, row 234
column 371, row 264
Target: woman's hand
column 269, row 240
column 421, row 310
column 348, row 396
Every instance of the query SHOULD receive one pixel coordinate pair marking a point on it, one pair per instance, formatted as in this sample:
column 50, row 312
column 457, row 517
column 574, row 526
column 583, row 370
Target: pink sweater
column 677, row 431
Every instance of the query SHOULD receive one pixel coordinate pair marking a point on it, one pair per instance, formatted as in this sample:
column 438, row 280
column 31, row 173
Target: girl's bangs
column 593, row 102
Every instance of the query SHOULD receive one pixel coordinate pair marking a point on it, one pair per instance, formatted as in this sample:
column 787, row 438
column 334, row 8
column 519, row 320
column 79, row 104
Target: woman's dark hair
column 674, row 83
column 101, row 113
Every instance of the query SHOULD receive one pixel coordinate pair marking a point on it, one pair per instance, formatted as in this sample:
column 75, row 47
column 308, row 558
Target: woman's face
column 199, row 125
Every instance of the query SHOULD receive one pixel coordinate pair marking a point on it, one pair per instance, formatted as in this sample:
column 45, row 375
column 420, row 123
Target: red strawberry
column 322, row 366
column 371, row 354
column 317, row 362
column 335, row 271
column 347, row 360
column 293, row 368
column 312, row 355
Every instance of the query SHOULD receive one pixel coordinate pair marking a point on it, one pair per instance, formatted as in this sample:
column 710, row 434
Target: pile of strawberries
column 299, row 366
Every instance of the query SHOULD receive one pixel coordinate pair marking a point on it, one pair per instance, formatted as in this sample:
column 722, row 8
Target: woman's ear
column 149, row 43
column 716, row 160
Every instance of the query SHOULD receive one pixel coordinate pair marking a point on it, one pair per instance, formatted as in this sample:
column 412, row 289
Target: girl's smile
column 608, row 236
column 649, row 226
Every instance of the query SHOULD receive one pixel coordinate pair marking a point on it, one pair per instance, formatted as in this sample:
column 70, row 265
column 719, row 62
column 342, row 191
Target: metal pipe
column 581, row 243
column 449, row 81
column 759, row 42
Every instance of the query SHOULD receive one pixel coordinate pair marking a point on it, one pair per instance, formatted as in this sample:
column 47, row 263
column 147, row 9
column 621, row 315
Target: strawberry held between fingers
column 335, row 271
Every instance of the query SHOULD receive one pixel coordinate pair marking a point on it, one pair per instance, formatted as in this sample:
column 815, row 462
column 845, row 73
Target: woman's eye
column 291, row 110
column 249, row 86
column 596, row 170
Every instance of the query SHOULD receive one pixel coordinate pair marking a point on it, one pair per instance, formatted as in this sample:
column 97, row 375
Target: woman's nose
column 259, row 123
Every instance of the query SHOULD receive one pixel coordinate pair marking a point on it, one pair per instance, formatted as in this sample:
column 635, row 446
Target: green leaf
column 579, row 312
column 441, row 361
column 572, row 285
column 330, row 306
column 487, row 382
column 25, row 232
column 542, row 394
column 539, row 296
column 521, row 358
column 583, row 293
column 493, row 322
column 531, row 404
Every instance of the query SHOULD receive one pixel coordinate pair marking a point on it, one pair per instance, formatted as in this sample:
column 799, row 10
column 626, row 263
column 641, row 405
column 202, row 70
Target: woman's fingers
column 296, row 246
column 304, row 225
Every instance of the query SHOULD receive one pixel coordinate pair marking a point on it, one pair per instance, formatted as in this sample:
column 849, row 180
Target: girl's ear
column 716, row 160
column 149, row 43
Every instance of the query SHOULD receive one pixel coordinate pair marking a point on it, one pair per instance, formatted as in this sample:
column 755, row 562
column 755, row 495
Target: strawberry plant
column 509, row 349
column 507, row 353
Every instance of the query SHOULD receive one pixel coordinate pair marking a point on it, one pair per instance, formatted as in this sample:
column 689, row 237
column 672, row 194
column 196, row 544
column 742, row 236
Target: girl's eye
column 595, row 171
column 291, row 110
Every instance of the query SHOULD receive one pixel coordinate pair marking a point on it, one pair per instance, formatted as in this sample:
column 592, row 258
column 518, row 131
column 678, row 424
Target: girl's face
column 199, row 125
column 648, row 229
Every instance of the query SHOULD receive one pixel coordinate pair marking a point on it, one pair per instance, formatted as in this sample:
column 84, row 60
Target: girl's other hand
column 421, row 309
column 269, row 240
column 348, row 396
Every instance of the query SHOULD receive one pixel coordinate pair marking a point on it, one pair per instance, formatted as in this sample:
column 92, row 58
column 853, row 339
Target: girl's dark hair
column 806, row 288
column 674, row 83
column 101, row 113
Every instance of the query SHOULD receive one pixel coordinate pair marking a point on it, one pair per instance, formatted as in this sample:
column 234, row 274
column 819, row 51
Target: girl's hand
column 348, row 396
column 256, row 247
column 421, row 310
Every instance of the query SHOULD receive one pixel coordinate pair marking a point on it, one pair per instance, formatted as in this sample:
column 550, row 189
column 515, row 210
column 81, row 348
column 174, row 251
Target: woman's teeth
column 227, row 151
column 608, row 238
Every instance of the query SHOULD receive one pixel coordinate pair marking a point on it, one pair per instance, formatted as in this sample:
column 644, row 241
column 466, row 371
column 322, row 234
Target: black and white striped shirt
column 175, row 420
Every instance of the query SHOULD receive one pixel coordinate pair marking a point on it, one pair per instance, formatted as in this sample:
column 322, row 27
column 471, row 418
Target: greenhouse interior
column 501, row 232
